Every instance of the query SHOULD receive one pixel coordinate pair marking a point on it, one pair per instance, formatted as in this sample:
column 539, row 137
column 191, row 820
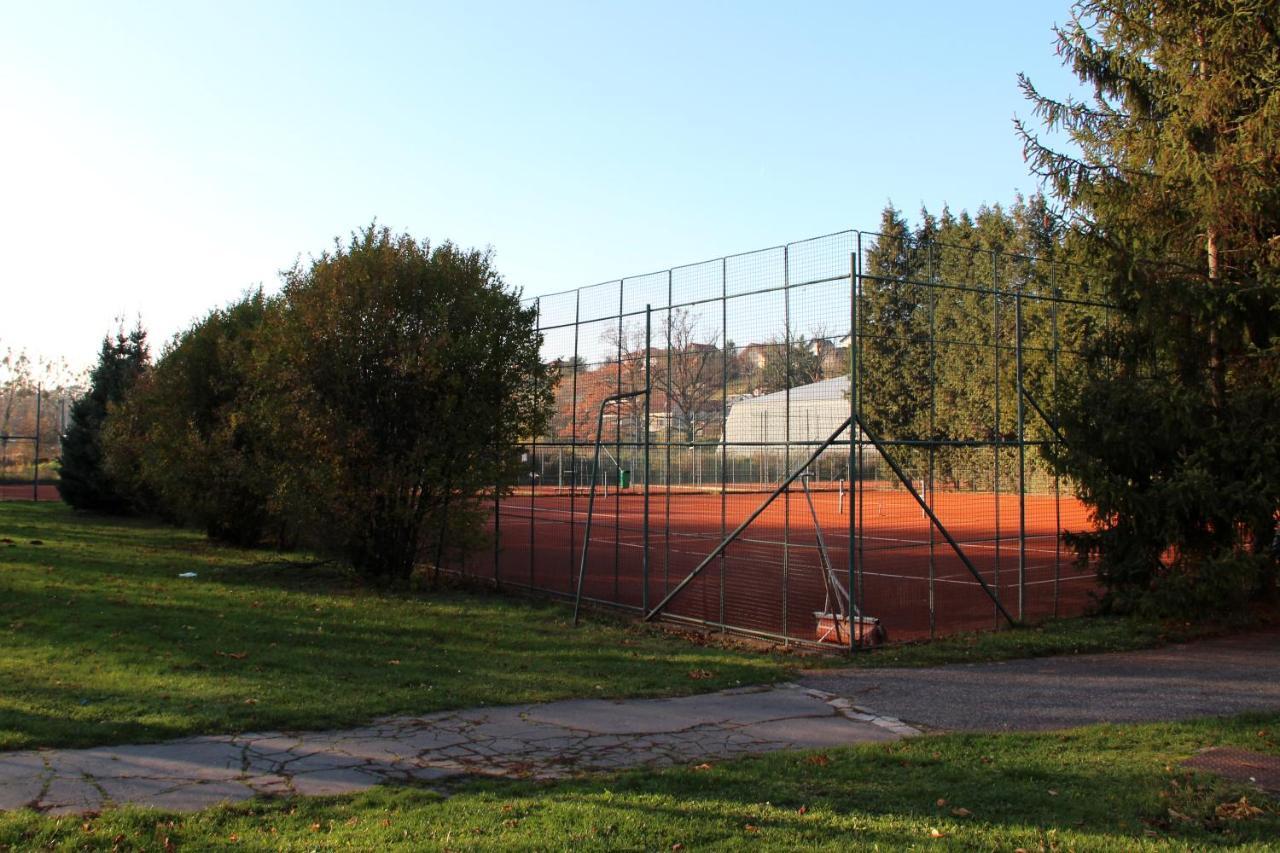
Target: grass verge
column 1097, row 788
column 1080, row 635
column 104, row 641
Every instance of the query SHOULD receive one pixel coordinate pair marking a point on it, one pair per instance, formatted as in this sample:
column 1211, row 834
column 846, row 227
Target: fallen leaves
column 819, row 759
column 1241, row 809
column 934, row 832
column 702, row 766
column 961, row 812
column 232, row 655
column 699, row 674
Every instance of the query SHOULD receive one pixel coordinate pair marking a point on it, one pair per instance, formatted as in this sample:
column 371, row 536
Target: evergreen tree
column 84, row 482
column 1174, row 184
column 893, row 315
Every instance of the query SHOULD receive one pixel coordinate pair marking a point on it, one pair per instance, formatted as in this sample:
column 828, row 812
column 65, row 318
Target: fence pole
column 573, row 448
column 786, row 447
column 533, row 461
column 666, row 523
column 999, row 434
column 853, row 430
column 35, row 474
column 1057, row 488
column 724, row 421
column 1022, row 458
column 648, row 391
column 617, row 458
column 933, row 434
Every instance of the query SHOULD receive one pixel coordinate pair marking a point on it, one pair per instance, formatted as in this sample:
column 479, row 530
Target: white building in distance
column 817, row 410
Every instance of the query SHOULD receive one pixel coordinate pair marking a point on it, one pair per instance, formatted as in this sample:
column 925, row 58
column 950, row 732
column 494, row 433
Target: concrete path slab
column 535, row 741
column 1202, row 679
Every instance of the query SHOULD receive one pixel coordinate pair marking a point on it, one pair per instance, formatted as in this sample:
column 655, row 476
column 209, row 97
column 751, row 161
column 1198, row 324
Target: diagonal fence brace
column 898, row 472
column 782, row 487
column 1048, row 421
column 928, row 510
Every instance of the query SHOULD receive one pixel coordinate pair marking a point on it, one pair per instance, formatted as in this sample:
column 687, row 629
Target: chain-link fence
column 32, row 421
column 749, row 447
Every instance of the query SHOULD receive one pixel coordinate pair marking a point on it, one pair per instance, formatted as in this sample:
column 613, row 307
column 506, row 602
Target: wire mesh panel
column 807, row 440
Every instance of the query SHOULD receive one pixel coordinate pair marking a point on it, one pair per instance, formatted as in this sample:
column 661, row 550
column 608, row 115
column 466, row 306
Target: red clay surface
column 770, row 579
column 22, row 492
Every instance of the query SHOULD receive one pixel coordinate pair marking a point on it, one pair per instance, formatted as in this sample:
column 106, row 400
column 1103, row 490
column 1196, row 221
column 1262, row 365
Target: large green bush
column 367, row 411
column 190, row 433
column 400, row 376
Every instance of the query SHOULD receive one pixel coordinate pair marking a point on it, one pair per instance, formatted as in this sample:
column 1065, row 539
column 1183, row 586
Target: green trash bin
column 624, row 478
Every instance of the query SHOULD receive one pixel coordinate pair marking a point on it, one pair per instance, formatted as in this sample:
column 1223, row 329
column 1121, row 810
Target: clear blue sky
column 160, row 158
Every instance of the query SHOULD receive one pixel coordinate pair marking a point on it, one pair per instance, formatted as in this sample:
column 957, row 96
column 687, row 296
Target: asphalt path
column 1206, row 678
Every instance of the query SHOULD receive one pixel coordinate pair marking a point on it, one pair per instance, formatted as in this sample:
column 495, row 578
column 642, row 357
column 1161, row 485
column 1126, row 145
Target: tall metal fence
column 32, row 422
column 743, row 444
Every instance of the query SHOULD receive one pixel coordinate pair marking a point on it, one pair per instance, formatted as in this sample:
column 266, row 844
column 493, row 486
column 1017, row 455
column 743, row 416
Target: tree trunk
column 1217, row 353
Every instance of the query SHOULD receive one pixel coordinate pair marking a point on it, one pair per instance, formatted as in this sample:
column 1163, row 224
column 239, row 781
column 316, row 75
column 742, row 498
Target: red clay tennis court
column 770, row 580
column 25, row 492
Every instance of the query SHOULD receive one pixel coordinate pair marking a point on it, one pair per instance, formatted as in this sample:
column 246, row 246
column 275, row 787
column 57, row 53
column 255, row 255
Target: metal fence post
column 855, row 473
column 1022, row 457
column 533, row 461
column 617, row 438
column 573, row 448
column 724, row 423
column 999, row 434
column 35, row 474
column 933, row 436
column 786, row 437
column 648, row 393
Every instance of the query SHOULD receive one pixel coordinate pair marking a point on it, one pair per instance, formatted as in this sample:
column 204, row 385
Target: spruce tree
column 84, row 483
column 1174, row 184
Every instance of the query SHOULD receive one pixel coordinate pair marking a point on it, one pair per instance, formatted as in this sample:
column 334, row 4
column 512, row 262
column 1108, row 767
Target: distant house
column 752, row 356
column 832, row 355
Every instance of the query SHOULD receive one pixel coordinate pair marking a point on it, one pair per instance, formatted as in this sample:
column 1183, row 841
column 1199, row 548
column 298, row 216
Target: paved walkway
column 564, row 738
column 1207, row 678
column 529, row 741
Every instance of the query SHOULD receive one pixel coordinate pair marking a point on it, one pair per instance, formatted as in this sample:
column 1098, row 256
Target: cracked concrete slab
column 674, row 715
column 543, row 742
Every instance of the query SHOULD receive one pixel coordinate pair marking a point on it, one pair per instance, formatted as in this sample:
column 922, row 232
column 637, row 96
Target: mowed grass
column 1074, row 636
column 104, row 643
column 1096, row 788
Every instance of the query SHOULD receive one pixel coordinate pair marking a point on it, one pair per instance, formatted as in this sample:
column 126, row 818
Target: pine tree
column 1174, row 184
column 83, row 482
column 893, row 317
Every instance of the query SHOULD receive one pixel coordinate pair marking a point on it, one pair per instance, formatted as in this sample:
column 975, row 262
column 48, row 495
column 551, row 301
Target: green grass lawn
column 104, row 643
column 1097, row 788
column 1079, row 635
